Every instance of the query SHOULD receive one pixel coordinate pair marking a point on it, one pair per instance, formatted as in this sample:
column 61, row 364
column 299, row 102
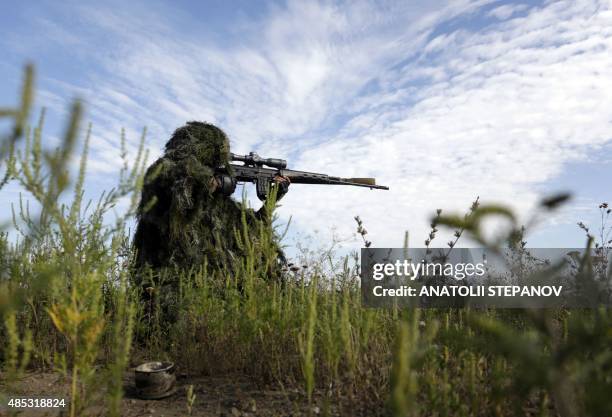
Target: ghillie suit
column 185, row 223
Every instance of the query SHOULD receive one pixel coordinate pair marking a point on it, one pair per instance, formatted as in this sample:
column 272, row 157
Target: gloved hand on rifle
column 283, row 186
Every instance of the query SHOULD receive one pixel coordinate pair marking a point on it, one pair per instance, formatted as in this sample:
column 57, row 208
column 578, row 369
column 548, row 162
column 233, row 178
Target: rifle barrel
column 301, row 177
column 249, row 173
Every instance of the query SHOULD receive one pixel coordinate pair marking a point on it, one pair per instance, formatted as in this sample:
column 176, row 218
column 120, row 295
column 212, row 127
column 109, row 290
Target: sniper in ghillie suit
column 188, row 221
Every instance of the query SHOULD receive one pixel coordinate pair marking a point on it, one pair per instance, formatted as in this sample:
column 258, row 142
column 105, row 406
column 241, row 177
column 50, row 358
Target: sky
column 441, row 101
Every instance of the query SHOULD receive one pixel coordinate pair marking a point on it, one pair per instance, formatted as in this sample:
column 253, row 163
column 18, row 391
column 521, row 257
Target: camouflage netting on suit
column 182, row 223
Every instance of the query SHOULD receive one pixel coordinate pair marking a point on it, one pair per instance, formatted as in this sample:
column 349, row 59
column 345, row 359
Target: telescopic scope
column 252, row 159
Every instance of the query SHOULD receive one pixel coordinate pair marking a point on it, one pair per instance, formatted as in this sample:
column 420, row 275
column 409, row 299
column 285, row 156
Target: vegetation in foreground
column 67, row 306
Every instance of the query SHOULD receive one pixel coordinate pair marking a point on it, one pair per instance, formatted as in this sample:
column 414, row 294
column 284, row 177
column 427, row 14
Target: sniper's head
column 206, row 141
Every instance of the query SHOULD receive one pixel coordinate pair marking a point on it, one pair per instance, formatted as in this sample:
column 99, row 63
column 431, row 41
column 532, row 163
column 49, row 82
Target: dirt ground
column 222, row 396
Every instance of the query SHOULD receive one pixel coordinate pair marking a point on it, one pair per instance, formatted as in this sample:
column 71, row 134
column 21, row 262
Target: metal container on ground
column 155, row 380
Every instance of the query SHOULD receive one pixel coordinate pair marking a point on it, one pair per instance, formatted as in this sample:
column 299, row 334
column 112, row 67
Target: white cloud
column 504, row 112
column 285, row 77
column 507, row 10
column 364, row 89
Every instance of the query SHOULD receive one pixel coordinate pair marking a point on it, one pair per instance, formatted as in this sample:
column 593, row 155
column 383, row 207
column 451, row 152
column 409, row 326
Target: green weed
column 68, row 304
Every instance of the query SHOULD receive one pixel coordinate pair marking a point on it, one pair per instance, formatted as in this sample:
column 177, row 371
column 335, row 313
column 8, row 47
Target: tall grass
column 68, row 306
column 64, row 273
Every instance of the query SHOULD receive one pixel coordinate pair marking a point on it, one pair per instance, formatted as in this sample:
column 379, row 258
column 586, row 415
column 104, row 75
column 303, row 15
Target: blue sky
column 442, row 101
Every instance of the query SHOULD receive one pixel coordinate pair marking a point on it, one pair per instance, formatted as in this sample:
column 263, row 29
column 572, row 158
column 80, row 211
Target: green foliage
column 68, row 304
column 19, row 115
column 63, row 272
